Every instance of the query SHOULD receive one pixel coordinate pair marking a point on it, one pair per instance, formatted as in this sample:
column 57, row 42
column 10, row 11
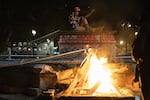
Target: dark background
column 19, row 17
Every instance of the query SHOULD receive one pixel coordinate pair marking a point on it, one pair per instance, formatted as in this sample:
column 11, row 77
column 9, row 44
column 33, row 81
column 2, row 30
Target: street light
column 33, row 32
column 121, row 42
column 136, row 33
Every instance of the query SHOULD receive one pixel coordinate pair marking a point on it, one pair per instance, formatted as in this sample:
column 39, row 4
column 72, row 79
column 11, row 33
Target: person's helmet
column 77, row 8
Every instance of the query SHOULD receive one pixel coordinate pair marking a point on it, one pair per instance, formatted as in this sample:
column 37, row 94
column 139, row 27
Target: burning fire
column 98, row 78
column 100, row 75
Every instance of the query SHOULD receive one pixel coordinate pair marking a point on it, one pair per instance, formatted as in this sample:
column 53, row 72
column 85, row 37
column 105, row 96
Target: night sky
column 18, row 17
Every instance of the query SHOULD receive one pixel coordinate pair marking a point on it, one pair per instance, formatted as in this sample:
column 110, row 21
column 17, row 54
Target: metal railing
column 30, row 59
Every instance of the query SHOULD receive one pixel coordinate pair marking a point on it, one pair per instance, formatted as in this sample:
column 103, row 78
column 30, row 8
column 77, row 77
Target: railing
column 10, row 57
column 11, row 60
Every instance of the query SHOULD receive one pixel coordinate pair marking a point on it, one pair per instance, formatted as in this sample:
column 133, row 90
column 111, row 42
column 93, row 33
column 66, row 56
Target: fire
column 96, row 77
column 98, row 73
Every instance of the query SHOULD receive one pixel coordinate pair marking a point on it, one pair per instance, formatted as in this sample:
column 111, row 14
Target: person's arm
column 89, row 14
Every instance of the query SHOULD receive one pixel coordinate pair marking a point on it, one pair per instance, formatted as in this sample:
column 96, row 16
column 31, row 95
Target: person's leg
column 84, row 23
column 80, row 28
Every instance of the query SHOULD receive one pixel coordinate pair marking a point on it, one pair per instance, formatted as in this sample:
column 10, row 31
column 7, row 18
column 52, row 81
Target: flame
column 96, row 77
column 98, row 73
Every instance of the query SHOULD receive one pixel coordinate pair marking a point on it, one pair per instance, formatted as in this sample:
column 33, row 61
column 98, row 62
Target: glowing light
column 89, row 49
column 121, row 42
column 136, row 33
column 98, row 73
column 29, row 49
column 123, row 24
column 48, row 40
column 98, row 78
column 103, row 60
column 33, row 32
column 129, row 25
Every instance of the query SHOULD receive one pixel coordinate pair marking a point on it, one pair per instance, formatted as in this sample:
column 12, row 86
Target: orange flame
column 95, row 78
column 98, row 73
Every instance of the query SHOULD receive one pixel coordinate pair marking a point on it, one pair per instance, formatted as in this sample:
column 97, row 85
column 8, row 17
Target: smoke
column 109, row 13
column 101, row 26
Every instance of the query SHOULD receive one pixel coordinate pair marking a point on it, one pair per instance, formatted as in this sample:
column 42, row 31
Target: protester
column 79, row 23
column 141, row 53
